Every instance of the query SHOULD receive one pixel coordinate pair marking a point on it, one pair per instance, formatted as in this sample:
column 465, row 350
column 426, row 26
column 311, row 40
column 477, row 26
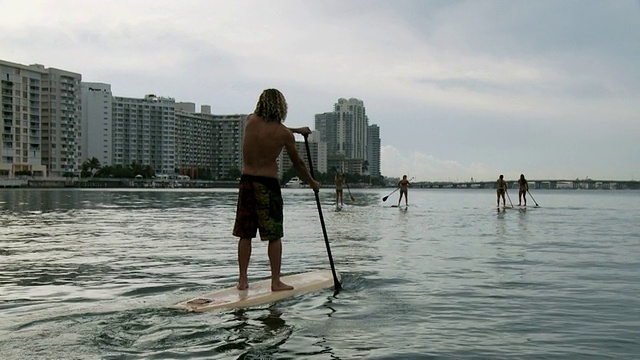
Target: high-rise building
column 345, row 130
column 41, row 117
column 373, row 151
column 21, row 150
column 97, row 122
column 61, row 122
column 144, row 132
column 327, row 125
column 209, row 142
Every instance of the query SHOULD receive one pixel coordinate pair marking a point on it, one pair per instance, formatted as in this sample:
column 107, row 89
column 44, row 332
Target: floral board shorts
column 259, row 208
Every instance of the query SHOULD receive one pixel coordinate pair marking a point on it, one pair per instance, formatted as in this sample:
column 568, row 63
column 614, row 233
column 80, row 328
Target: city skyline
column 458, row 89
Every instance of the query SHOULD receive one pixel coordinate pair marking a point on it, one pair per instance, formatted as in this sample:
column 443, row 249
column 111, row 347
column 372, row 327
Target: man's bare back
column 262, row 146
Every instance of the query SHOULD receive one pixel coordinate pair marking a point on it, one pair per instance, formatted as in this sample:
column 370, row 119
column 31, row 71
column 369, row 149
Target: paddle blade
column 385, row 198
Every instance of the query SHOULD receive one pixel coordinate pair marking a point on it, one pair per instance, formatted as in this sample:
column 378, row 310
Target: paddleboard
column 502, row 207
column 259, row 293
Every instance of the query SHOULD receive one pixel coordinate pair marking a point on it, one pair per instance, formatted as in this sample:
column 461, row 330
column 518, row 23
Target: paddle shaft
column 386, row 197
column 336, row 282
column 508, row 197
column 349, row 190
column 534, row 200
column 398, row 188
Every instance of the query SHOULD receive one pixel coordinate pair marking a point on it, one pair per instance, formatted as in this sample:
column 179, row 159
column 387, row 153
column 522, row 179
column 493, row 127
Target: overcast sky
column 460, row 89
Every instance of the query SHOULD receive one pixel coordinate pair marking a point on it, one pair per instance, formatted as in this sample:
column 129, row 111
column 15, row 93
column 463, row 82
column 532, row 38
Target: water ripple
column 91, row 274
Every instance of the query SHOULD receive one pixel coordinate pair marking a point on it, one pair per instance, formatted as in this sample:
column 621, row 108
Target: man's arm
column 302, row 131
column 298, row 163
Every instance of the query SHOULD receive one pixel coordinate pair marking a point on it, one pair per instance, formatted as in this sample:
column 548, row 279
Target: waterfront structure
column 144, row 132
column 350, row 146
column 61, row 122
column 41, row 120
column 327, row 125
column 373, row 151
column 21, row 150
column 97, row 122
column 208, row 142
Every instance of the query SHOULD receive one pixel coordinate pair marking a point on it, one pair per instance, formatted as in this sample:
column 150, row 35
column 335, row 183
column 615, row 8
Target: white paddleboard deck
column 502, row 207
column 259, row 292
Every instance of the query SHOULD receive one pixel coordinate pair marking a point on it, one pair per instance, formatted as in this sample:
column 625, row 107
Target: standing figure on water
column 404, row 190
column 339, row 180
column 522, row 192
column 501, row 190
column 259, row 198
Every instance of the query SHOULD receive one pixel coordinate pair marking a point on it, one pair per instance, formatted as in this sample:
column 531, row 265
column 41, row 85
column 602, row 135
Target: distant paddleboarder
column 404, row 190
column 522, row 192
column 339, row 180
column 259, row 198
column 501, row 190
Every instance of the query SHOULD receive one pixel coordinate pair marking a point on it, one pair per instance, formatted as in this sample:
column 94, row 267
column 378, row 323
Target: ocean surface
column 91, row 274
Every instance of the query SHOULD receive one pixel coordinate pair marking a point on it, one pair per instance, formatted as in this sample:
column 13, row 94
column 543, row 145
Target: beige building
column 208, row 142
column 41, row 120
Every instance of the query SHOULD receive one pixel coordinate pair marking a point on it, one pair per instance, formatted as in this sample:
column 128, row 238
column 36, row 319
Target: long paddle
column 398, row 188
column 386, row 197
column 508, row 197
column 534, row 200
column 349, row 190
column 336, row 283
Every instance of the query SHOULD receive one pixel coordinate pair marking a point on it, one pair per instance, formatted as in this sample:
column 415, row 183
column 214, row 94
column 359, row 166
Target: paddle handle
column 336, row 282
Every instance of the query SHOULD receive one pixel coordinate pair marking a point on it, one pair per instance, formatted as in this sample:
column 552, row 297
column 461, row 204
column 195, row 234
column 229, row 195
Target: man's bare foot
column 280, row 286
column 243, row 285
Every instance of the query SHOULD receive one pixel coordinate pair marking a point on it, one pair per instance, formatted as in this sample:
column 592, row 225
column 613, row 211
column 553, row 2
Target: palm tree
column 365, row 169
column 89, row 166
column 94, row 164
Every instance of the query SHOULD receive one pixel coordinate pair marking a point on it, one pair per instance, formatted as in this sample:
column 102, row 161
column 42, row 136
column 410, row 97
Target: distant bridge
column 587, row 184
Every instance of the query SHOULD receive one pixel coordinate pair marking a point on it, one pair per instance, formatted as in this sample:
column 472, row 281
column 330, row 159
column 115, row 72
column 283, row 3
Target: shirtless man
column 404, row 190
column 501, row 190
column 259, row 199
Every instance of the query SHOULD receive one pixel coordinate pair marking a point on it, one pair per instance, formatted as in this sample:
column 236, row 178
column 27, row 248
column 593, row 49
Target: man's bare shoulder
column 254, row 119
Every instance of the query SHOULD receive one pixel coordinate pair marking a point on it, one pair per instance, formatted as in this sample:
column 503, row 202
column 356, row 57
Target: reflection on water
column 92, row 273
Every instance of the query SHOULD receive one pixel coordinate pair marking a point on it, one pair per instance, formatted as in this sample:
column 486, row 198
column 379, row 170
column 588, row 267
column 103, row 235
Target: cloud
column 428, row 168
column 453, row 85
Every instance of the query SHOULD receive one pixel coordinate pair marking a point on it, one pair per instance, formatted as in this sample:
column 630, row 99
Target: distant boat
column 294, row 183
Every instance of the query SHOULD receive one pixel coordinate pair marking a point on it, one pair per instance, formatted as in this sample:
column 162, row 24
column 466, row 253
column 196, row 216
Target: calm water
column 88, row 274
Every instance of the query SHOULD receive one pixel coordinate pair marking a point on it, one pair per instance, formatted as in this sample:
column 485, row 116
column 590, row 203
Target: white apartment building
column 144, row 132
column 61, row 122
column 97, row 137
